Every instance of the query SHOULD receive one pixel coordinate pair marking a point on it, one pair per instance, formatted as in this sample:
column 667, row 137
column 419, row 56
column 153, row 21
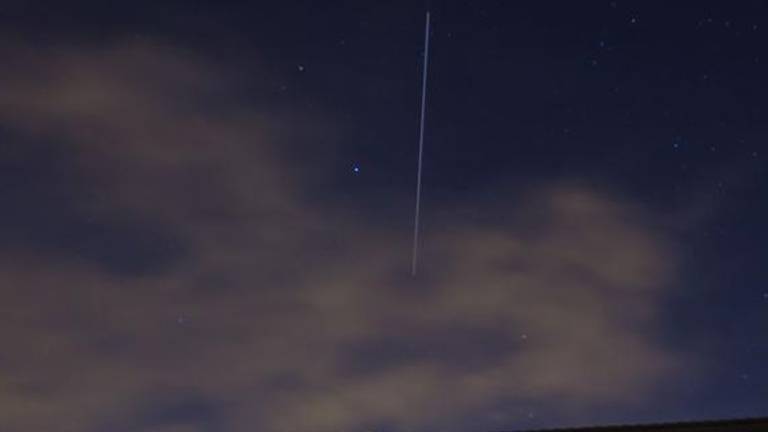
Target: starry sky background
column 186, row 245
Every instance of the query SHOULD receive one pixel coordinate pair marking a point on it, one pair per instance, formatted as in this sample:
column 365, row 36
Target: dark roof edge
column 723, row 425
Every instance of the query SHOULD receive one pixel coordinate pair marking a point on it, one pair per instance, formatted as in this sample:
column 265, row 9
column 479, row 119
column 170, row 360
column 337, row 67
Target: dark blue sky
column 186, row 243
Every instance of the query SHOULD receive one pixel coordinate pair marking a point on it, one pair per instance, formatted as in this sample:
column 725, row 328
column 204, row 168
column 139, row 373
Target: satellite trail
column 421, row 148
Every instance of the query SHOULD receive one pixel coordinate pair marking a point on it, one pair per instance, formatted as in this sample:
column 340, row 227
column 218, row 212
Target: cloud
column 194, row 264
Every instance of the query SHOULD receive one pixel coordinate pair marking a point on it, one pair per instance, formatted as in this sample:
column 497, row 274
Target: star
column 356, row 169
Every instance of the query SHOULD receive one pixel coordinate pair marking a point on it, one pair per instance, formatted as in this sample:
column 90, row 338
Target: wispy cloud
column 196, row 287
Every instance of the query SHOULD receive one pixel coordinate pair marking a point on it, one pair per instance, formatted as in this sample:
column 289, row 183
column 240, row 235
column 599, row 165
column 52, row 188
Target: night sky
column 207, row 215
